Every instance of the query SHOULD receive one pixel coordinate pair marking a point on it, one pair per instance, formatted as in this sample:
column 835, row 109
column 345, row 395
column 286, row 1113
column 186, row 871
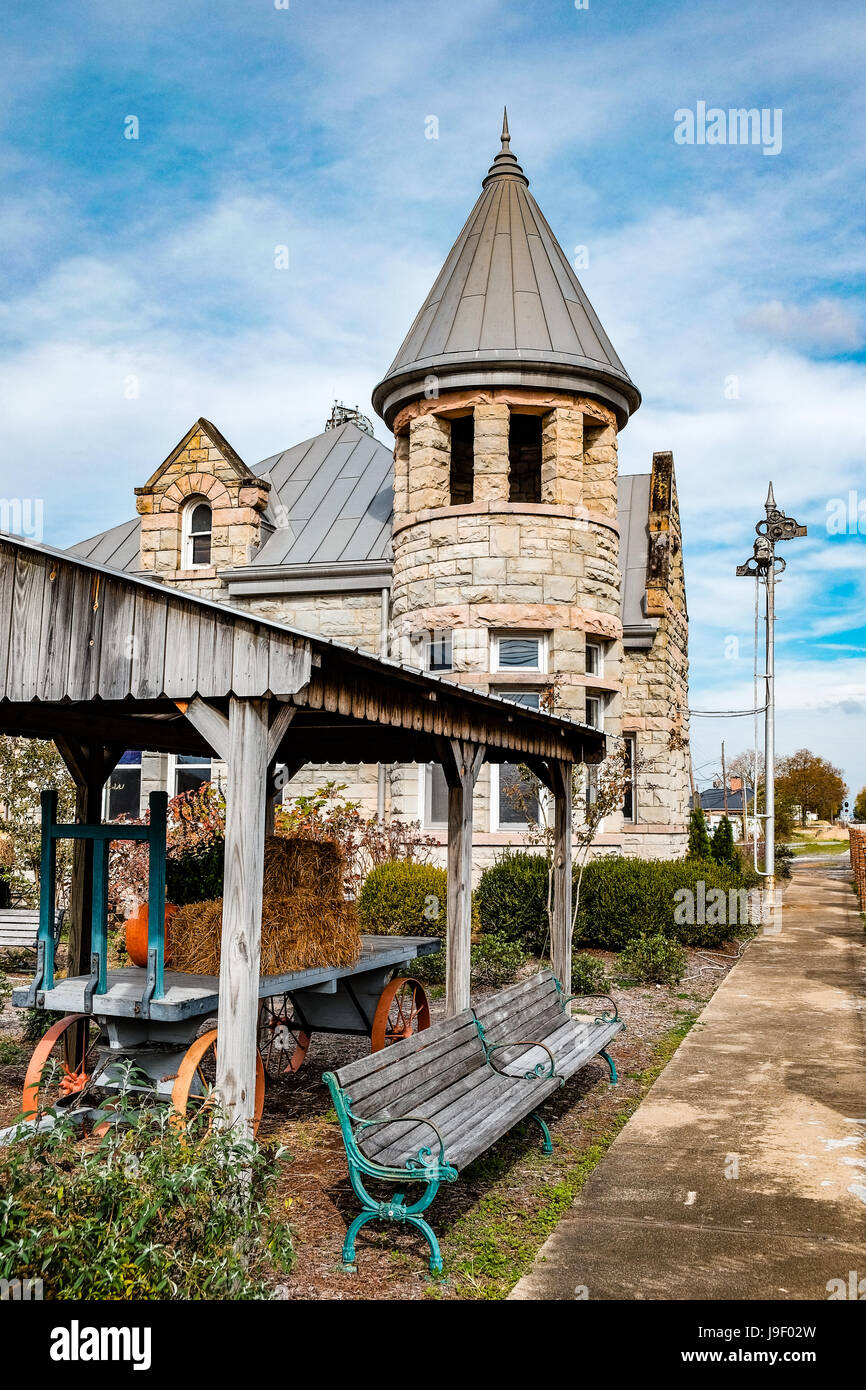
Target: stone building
column 498, row 547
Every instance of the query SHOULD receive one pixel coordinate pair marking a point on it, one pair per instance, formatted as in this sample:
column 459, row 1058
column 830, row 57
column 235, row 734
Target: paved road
column 743, row 1173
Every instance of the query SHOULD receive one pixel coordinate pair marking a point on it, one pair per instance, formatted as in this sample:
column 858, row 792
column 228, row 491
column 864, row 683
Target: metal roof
column 331, row 503
column 507, row 309
column 713, row 799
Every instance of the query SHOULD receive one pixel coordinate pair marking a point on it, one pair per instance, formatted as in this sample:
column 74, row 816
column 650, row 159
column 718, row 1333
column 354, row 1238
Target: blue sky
column 140, row 289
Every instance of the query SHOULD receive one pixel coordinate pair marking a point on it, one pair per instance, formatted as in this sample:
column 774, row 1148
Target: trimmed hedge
column 402, row 898
column 623, row 899
column 512, row 899
column 620, row 900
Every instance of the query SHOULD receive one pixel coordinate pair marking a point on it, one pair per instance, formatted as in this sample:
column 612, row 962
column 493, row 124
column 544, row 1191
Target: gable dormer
column 202, row 510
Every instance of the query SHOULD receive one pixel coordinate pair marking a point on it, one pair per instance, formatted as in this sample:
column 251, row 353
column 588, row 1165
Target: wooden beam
column 461, row 762
column 560, row 944
column 280, row 722
column 210, row 722
column 247, row 766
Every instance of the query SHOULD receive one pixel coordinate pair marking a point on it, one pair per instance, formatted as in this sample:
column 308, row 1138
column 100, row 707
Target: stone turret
column 505, row 400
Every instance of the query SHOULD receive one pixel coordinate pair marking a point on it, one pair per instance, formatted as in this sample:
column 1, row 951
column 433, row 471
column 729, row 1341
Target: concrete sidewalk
column 743, row 1173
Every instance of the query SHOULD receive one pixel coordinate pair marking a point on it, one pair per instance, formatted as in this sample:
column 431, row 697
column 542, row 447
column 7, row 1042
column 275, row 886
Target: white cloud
column 826, row 324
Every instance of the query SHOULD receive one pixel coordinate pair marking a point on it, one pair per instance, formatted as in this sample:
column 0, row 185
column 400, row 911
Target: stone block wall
column 857, row 834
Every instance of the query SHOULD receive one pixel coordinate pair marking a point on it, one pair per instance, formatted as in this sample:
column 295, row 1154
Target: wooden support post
column 560, row 944
column 461, row 762
column 248, row 759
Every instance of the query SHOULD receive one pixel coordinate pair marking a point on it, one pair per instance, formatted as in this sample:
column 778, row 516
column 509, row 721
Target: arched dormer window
column 197, row 533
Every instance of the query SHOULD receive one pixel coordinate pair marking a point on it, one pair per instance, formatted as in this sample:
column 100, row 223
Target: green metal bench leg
column 610, row 1062
column 547, row 1147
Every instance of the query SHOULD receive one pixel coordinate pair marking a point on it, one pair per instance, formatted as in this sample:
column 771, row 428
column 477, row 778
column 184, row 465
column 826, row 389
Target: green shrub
column 496, row 961
column 784, row 859
column 588, row 974
column 152, row 1213
column 654, row 960
column 36, row 1023
column 195, row 875
column 512, row 899
column 402, row 898
column 622, row 899
column 723, row 849
column 5, row 989
column 699, row 836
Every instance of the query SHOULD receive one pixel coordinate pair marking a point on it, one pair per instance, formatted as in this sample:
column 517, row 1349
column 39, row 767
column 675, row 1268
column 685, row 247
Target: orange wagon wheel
column 199, row 1065
column 51, row 1080
column 402, row 1010
column 282, row 1042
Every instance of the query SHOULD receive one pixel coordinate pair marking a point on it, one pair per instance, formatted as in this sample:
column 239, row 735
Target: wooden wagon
column 154, row 1030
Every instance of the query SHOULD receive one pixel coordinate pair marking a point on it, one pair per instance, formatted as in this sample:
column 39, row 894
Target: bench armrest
column 426, row 1166
column 604, row 1016
column 538, row 1072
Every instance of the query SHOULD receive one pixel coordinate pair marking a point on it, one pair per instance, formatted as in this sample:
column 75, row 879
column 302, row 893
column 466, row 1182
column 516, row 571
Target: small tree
column 699, row 836
column 28, row 766
column 860, row 805
column 723, row 844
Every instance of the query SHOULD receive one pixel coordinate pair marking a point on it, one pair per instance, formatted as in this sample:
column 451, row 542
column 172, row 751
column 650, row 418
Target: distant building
column 713, row 803
column 497, row 545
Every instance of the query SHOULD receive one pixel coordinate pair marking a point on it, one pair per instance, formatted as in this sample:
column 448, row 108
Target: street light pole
column 765, row 565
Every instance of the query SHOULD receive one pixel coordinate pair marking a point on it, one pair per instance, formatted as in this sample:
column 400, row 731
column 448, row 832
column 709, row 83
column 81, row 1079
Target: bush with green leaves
column 404, row 898
column 153, row 1212
column 196, row 874
column 653, row 960
column 723, row 849
column 588, row 974
column 5, row 988
column 699, row 836
column 494, row 961
column 512, row 899
column 622, row 899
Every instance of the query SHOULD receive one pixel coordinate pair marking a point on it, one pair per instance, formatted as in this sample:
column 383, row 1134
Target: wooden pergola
column 101, row 662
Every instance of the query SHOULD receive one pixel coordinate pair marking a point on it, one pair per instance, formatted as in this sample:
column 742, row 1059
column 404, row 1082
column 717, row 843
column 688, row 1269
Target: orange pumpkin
column 135, row 928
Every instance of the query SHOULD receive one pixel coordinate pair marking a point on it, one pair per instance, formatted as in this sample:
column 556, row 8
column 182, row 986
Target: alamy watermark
column 739, row 125
column 755, row 907
column 21, row 1290
column 23, row 516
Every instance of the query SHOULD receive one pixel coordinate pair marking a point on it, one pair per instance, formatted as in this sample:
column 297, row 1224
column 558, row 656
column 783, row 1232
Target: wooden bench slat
column 391, row 1057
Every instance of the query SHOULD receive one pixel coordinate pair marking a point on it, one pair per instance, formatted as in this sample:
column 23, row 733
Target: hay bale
column 299, row 932
column 294, row 863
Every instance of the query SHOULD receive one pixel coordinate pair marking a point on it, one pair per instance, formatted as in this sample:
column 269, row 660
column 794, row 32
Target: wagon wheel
column 402, row 1010
column 283, row 1042
column 54, row 1081
column 191, row 1094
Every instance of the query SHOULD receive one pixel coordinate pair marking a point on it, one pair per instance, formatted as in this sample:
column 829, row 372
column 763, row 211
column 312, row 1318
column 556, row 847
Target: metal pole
column 770, row 737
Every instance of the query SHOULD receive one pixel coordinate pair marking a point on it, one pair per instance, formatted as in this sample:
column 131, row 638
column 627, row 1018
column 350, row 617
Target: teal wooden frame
column 101, row 836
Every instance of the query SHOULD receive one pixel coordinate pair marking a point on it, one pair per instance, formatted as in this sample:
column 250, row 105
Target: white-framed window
column 518, row 651
column 595, row 711
column 440, row 650
column 629, row 805
column 122, row 795
column 434, row 797
column 188, row 772
column 197, row 533
column 594, row 659
column 514, row 801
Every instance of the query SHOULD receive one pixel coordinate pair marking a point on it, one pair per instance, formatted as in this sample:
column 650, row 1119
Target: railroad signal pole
column 764, row 565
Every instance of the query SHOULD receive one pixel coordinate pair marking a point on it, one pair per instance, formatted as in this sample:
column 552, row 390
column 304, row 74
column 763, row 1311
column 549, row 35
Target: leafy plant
column 512, row 899
column 588, row 974
column 403, row 898
column 723, row 850
column 153, row 1212
column 496, row 961
column 699, row 836
column 27, row 767
column 627, row 898
column 654, row 960
column 5, row 989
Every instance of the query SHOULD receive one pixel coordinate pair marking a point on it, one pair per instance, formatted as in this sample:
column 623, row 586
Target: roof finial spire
column 771, row 500
column 505, row 137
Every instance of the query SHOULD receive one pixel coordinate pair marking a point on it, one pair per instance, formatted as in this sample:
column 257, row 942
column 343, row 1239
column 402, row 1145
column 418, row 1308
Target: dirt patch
column 491, row 1222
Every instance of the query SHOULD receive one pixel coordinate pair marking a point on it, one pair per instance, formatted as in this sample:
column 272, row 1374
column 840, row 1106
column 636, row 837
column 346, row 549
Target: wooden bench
column 423, row 1109
column 19, row 927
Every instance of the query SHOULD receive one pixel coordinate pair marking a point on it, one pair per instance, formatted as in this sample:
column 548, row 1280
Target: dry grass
column 306, row 921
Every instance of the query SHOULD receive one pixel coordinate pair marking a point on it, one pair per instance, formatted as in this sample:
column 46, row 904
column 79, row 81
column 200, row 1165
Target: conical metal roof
column 506, row 310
